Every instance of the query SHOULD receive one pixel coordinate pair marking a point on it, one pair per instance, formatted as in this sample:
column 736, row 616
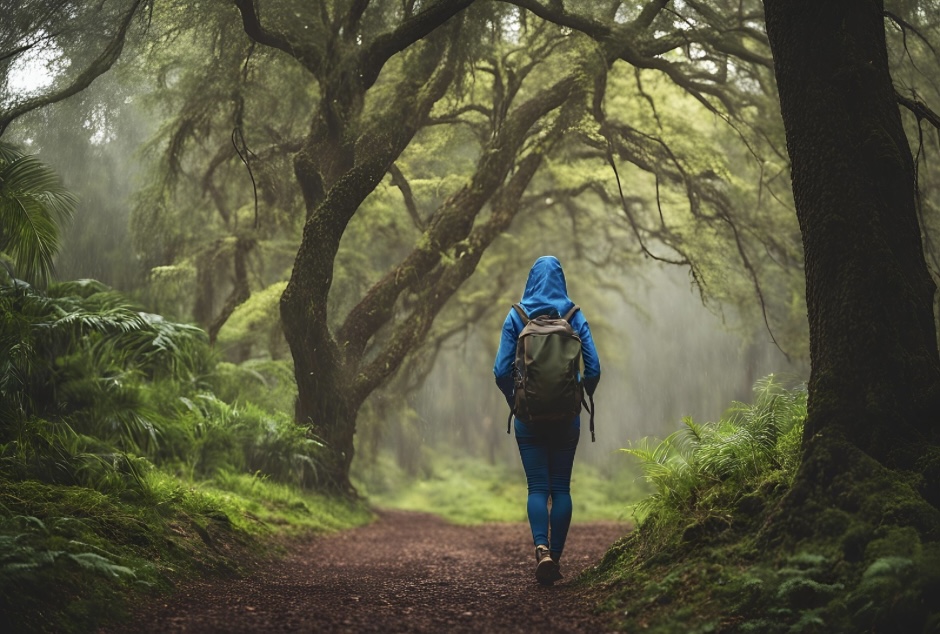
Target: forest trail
column 406, row 572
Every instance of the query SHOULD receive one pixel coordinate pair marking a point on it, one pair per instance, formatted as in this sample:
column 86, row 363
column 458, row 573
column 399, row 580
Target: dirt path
column 407, row 572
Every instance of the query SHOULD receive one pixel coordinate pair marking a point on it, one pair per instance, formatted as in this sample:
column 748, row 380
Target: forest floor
column 406, row 572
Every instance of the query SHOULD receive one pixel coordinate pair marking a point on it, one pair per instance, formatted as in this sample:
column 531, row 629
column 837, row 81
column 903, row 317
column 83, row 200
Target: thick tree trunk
column 334, row 183
column 875, row 379
column 324, row 406
column 320, row 367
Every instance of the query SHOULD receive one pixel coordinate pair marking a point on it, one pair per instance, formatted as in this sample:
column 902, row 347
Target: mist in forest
column 664, row 356
column 94, row 143
column 158, row 219
column 255, row 260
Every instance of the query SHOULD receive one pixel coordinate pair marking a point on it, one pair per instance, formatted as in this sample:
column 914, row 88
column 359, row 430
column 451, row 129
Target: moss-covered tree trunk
column 324, row 401
column 341, row 161
column 875, row 379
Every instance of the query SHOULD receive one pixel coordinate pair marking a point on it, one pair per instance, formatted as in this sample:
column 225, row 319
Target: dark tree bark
column 875, row 378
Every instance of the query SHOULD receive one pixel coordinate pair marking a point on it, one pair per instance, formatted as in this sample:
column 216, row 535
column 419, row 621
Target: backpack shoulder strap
column 525, row 318
column 570, row 313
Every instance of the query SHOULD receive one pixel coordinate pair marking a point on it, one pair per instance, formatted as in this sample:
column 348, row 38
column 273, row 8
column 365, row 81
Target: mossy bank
column 722, row 549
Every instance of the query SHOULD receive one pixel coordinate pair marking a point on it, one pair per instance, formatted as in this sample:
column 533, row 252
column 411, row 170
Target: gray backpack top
column 546, row 371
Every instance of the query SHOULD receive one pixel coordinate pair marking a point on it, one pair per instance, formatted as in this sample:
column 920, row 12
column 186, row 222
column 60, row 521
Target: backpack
column 546, row 372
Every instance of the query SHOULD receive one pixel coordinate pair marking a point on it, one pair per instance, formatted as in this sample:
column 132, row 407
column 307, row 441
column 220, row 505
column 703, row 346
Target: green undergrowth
column 74, row 556
column 718, row 551
column 131, row 459
column 469, row 490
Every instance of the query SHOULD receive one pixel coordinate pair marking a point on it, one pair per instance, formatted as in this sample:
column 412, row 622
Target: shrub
column 707, row 470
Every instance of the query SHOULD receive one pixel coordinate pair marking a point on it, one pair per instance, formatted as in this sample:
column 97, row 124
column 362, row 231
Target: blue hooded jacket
column 546, row 293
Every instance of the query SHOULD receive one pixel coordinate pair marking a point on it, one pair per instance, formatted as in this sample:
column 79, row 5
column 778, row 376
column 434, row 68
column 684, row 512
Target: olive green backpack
column 546, row 372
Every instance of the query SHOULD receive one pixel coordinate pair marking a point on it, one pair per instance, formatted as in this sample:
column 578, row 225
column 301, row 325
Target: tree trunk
column 204, row 305
column 241, row 290
column 324, row 406
column 875, row 379
column 323, row 387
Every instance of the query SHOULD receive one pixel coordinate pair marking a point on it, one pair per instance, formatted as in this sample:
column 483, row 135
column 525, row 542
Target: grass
column 467, row 490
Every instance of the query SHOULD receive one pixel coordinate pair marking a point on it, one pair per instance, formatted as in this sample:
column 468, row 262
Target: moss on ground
column 861, row 554
column 72, row 557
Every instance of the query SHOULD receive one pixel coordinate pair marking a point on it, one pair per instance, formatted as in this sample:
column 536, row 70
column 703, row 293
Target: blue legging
column 547, row 459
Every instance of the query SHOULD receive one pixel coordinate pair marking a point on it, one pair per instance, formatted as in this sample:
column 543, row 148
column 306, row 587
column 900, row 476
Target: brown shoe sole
column 546, row 572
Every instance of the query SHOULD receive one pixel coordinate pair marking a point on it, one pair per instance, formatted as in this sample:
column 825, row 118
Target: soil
column 406, row 572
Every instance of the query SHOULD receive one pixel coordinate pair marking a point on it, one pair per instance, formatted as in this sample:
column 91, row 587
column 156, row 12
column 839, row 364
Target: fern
column 82, row 351
column 26, row 555
column 703, row 469
column 248, row 439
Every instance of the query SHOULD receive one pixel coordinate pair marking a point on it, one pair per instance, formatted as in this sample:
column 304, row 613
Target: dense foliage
column 702, row 472
column 120, row 464
column 81, row 365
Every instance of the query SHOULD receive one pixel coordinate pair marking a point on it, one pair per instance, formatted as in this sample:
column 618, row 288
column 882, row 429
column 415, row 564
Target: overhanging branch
column 101, row 64
column 409, row 331
column 308, row 56
column 453, row 221
column 407, row 33
column 920, row 110
column 557, row 14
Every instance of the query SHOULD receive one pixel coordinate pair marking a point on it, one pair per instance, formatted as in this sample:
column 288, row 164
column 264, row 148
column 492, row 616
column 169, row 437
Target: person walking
column 547, row 451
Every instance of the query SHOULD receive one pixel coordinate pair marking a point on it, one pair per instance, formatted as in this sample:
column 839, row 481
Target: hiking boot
column 546, row 568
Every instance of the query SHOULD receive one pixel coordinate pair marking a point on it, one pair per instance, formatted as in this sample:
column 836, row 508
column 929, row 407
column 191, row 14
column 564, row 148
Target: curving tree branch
column 309, row 56
column 557, row 14
column 448, row 277
column 353, row 16
column 101, row 64
column 920, row 110
column 399, row 181
column 453, row 221
column 405, row 34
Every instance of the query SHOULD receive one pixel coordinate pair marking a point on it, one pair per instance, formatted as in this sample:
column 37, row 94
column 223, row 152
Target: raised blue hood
column 545, row 291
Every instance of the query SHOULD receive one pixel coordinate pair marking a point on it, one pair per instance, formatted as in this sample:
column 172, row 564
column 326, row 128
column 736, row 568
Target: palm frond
column 33, row 206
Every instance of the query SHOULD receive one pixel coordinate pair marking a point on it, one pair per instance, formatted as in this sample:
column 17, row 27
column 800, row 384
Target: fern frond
column 703, row 467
